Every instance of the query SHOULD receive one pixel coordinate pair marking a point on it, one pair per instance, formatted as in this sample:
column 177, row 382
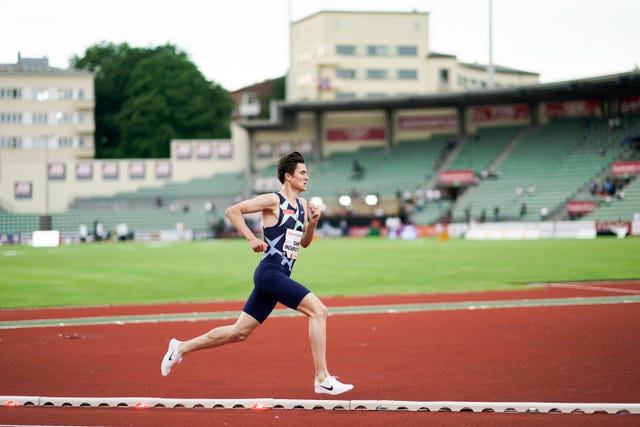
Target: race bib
column 292, row 243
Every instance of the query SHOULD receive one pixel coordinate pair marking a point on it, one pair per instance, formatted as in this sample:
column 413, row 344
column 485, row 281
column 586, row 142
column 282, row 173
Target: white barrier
column 347, row 405
column 532, row 230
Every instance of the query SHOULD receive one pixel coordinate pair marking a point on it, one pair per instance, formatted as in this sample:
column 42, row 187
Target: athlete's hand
column 314, row 214
column 257, row 245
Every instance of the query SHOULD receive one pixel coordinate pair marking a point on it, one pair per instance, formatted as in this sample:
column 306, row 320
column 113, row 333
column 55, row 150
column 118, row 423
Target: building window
column 10, row 118
column 345, row 73
column 342, row 49
column 41, row 94
column 40, row 118
column 377, row 50
column 64, row 117
column 376, row 95
column 65, row 141
column 345, row 95
column 65, row 93
column 40, row 141
column 80, row 93
column 377, row 74
column 407, row 74
column 407, row 50
column 443, row 75
column 10, row 93
column 10, row 142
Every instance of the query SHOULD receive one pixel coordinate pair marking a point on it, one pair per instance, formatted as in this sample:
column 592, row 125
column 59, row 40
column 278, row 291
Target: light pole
column 491, row 69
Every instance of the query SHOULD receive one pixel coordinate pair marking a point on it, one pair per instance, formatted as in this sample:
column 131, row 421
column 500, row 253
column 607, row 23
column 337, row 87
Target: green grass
column 124, row 273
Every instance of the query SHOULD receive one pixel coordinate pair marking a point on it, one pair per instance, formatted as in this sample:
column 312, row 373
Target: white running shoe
column 331, row 385
column 171, row 358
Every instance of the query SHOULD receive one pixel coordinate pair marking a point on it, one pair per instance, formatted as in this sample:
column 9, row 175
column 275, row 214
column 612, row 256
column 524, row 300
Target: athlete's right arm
column 264, row 203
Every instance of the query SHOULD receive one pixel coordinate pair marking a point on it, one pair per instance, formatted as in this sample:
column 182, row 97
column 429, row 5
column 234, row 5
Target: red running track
column 585, row 353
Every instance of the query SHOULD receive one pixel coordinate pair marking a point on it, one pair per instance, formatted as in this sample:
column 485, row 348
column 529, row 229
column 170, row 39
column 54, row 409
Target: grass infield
column 132, row 273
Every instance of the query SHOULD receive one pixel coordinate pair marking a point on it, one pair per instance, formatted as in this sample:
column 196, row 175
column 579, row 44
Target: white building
column 345, row 55
column 46, row 107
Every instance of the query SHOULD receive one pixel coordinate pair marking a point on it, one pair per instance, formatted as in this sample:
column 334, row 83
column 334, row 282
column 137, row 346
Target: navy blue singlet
column 271, row 279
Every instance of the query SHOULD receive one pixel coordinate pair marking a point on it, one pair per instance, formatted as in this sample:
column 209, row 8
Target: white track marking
column 593, row 288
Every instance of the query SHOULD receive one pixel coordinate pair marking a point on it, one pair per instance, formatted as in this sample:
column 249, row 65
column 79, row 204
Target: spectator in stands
column 99, row 232
column 496, row 213
column 544, row 212
column 531, row 190
column 357, row 170
column 518, row 192
column 467, row 214
column 122, row 231
column 593, row 188
column 608, row 187
column 523, row 210
column 83, row 232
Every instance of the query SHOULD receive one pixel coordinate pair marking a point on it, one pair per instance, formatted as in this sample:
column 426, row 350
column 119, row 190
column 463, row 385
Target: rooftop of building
column 36, row 66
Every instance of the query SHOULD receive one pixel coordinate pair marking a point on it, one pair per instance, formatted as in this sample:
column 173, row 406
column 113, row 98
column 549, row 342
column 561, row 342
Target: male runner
column 287, row 226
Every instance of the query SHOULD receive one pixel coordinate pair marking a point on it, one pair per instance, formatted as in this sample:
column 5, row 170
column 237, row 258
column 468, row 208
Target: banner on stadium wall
column 356, row 134
column 84, row 170
column 630, row 104
column 619, row 228
column 110, row 170
column 626, row 168
column 183, row 150
column 409, row 123
column 579, row 207
column 136, row 170
column 457, row 177
column 23, row 189
column 305, row 147
column 501, row 112
column 56, row 171
column 163, row 169
column 264, row 150
column 284, row 148
column 203, row 150
column 584, row 108
column 224, row 150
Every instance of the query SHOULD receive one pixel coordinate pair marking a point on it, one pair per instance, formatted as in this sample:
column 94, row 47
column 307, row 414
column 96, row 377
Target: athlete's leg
column 317, row 313
column 221, row 335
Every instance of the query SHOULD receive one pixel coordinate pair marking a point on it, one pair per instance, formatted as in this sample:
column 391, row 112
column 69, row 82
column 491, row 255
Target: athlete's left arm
column 311, row 218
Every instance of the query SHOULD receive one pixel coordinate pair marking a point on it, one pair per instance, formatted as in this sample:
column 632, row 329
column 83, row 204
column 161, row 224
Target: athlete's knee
column 320, row 311
column 240, row 334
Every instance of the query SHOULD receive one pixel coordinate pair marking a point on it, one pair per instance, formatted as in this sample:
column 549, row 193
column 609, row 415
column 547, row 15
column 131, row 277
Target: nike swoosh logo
column 327, row 388
column 171, row 356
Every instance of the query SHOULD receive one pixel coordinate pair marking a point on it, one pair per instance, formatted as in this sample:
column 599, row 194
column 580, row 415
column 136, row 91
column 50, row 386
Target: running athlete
column 287, row 226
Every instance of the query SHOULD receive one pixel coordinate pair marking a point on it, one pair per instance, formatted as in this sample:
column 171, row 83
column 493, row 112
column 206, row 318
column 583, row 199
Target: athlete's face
column 299, row 178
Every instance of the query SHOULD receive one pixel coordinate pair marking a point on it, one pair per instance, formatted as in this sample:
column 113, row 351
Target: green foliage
column 147, row 96
column 119, row 273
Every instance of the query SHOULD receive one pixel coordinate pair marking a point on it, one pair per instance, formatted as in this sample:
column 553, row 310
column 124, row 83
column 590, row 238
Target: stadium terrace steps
column 406, row 167
column 557, row 160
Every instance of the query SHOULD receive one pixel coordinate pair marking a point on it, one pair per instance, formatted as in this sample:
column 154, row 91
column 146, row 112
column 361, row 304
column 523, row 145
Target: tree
column 146, row 97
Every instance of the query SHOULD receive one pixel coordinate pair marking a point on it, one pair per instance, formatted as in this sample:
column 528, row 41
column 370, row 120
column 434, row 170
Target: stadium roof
column 601, row 88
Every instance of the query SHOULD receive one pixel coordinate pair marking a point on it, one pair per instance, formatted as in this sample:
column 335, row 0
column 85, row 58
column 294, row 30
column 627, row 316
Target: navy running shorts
column 272, row 284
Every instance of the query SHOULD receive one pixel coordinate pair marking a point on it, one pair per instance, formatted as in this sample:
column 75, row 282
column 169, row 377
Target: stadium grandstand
column 559, row 152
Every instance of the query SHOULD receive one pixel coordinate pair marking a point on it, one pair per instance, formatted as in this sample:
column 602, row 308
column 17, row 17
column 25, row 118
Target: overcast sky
column 239, row 42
